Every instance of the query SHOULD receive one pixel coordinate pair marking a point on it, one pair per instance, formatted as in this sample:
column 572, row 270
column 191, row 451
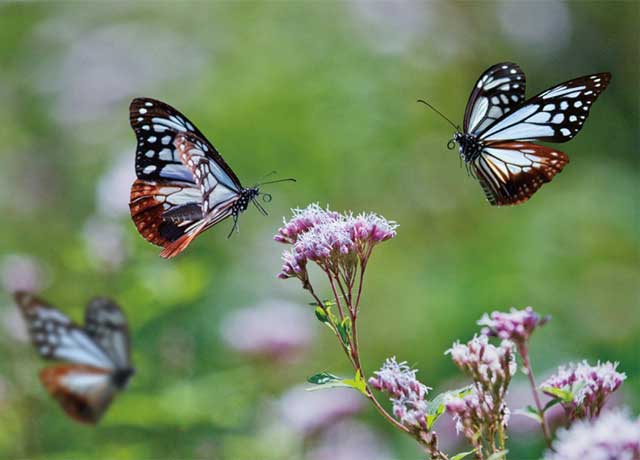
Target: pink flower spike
column 517, row 325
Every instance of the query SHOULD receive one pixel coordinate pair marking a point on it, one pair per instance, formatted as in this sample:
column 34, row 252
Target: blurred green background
column 324, row 92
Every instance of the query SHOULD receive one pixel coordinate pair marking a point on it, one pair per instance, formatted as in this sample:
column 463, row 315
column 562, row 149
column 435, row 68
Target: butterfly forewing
column 55, row 336
column 217, row 187
column 555, row 115
column 511, row 172
column 499, row 90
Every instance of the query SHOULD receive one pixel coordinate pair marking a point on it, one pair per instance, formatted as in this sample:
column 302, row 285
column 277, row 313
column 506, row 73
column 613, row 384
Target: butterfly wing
column 555, row 115
column 168, row 201
column 106, row 324
column 498, row 91
column 56, row 337
column 511, row 172
column 156, row 125
column 84, row 392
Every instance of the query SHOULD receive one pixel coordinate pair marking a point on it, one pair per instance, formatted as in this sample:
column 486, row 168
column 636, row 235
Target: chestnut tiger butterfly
column 183, row 185
column 96, row 357
column 499, row 123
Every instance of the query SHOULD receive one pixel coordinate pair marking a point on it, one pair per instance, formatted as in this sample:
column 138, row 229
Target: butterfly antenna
column 288, row 179
column 269, row 174
column 457, row 128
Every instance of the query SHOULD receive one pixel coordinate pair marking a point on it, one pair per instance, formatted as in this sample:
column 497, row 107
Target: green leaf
column 326, row 303
column 530, row 412
column 498, row 455
column 550, row 404
column 323, row 378
column 357, row 383
column 344, row 330
column 462, row 455
column 563, row 395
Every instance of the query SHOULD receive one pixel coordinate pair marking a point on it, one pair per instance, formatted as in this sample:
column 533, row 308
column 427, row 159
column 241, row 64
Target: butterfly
column 499, row 123
column 96, row 356
column 183, row 185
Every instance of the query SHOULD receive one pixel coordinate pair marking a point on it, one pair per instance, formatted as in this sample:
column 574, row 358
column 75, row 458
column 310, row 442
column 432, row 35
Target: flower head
column 302, row 221
column 517, row 325
column 612, row 436
column 589, row 385
column 330, row 239
column 475, row 411
column 406, row 391
column 484, row 362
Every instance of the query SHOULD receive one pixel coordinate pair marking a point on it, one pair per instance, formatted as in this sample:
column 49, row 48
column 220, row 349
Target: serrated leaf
column 498, row 455
column 563, row 395
column 462, row 455
column 530, row 412
column 323, row 378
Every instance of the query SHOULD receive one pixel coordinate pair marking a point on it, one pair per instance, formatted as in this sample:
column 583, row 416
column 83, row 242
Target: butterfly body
column 96, row 357
column 470, row 146
column 184, row 186
column 499, row 125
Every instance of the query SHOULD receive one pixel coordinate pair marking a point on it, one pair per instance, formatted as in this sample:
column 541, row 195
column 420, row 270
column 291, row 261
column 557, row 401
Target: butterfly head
column 121, row 377
column 470, row 146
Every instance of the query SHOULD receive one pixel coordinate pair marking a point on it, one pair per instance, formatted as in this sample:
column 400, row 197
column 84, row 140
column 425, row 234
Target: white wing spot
column 142, row 111
column 549, row 107
column 150, row 153
column 152, row 139
column 573, row 118
column 565, row 131
column 149, row 169
column 514, row 98
column 146, row 127
column 558, row 118
column 148, row 104
column 577, row 104
column 165, row 140
column 564, row 105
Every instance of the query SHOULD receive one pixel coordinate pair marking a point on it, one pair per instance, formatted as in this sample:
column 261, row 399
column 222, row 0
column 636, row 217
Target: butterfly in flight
column 184, row 186
column 96, row 357
column 499, row 123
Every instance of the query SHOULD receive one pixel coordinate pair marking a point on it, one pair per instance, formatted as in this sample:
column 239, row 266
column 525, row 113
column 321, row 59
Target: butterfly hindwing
column 499, row 90
column 164, row 211
column 511, row 172
column 84, row 392
column 555, row 115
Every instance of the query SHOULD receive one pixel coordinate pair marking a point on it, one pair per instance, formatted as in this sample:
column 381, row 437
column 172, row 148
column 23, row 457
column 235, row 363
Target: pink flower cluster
column 474, row 410
column 612, row 436
column 329, row 239
column 590, row 386
column 517, row 325
column 483, row 361
column 406, row 391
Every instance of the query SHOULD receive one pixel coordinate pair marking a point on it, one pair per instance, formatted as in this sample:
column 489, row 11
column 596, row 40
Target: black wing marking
column 106, row 324
column 555, row 115
column 498, row 91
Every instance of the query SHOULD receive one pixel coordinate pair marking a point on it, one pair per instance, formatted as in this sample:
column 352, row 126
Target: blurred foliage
column 324, row 92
